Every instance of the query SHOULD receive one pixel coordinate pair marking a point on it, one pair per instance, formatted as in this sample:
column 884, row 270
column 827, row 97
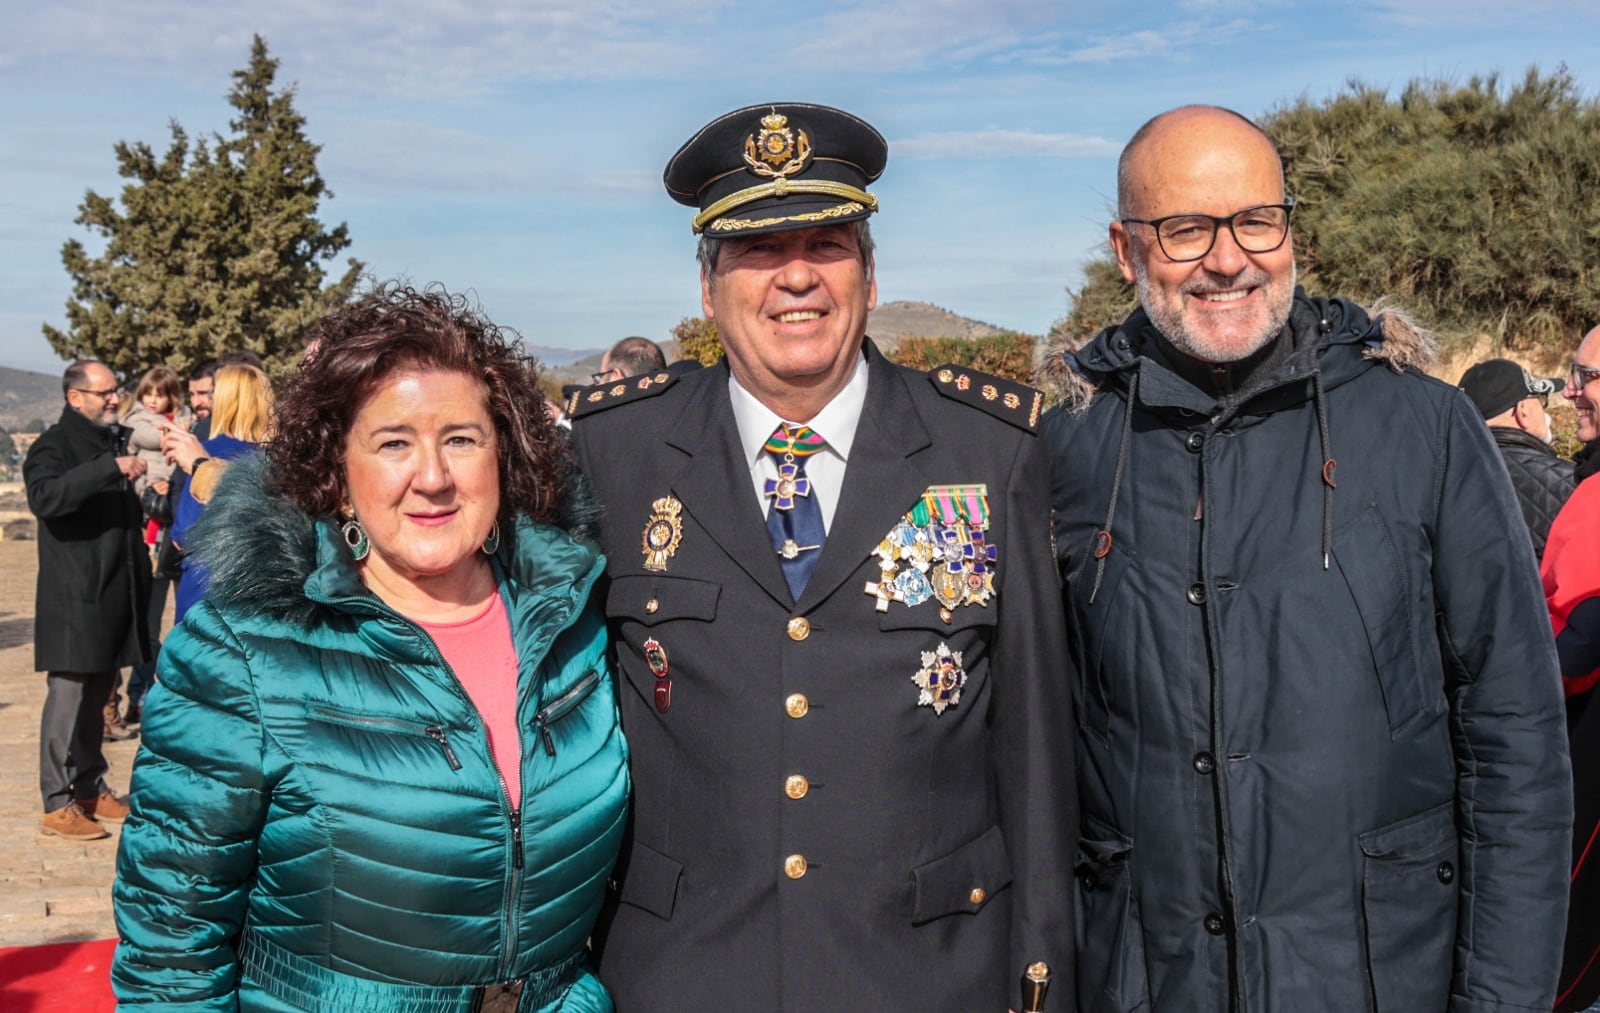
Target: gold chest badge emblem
column 777, row 150
column 663, row 532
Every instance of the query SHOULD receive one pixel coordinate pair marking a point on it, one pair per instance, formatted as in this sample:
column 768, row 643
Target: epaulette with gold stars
column 601, row 396
column 1013, row 402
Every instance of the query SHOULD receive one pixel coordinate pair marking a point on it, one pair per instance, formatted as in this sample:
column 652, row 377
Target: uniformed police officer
column 844, row 680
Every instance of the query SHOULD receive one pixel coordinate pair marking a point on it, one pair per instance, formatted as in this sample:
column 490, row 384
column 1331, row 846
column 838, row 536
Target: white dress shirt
column 836, row 424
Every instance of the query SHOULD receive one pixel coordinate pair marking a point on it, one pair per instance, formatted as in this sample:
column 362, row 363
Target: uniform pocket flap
column 963, row 880
column 926, row 617
column 651, row 598
column 651, row 881
column 1422, row 835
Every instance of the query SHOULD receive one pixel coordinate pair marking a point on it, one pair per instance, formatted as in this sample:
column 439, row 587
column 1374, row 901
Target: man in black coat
column 93, row 590
column 1512, row 403
column 843, row 670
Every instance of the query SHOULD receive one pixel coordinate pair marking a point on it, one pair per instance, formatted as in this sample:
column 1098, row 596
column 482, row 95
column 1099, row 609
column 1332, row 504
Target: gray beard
column 1172, row 327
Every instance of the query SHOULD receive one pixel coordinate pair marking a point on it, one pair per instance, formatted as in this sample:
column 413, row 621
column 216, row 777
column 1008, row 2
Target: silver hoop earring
column 491, row 545
column 355, row 539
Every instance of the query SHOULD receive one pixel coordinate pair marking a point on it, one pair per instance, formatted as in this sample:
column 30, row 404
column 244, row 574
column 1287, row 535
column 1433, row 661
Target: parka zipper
column 562, row 705
column 399, row 725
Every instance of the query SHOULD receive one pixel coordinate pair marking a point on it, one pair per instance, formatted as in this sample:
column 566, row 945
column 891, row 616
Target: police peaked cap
column 778, row 166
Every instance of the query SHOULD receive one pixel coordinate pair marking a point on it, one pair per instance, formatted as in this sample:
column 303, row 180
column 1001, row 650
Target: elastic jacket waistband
column 294, row 979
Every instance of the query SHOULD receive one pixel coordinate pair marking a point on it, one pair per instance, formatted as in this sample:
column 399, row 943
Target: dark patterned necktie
column 795, row 520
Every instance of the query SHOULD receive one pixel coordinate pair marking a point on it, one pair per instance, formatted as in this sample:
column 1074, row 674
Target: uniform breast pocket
column 645, row 605
column 1371, row 567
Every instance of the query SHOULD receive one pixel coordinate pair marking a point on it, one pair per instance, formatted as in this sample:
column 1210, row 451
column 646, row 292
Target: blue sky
column 515, row 149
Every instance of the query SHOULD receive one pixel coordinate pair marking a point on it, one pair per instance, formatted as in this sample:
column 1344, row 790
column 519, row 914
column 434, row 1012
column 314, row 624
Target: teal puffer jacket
column 317, row 823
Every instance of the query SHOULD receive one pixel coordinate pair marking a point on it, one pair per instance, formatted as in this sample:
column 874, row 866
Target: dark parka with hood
column 1322, row 759
column 317, row 821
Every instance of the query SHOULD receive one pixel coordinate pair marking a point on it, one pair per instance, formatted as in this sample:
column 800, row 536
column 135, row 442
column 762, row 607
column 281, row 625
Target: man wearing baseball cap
column 842, row 657
column 1512, row 402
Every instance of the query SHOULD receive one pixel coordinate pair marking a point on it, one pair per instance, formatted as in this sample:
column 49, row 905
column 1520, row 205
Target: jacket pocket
column 380, row 724
column 1408, row 898
column 1111, row 969
column 654, row 598
column 926, row 617
column 948, row 885
column 650, row 882
column 560, row 706
column 1371, row 568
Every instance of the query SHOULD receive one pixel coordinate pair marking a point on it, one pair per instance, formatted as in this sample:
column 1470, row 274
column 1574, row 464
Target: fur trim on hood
column 1405, row 344
column 258, row 549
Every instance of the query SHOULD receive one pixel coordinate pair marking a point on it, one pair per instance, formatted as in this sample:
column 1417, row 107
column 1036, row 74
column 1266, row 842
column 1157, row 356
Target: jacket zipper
column 508, row 922
column 434, row 732
column 562, row 706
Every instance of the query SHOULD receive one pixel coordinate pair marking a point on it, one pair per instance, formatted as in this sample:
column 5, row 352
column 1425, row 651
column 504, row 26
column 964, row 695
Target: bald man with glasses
column 1321, row 756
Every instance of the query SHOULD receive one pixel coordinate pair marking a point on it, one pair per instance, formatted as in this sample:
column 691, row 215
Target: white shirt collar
column 836, row 423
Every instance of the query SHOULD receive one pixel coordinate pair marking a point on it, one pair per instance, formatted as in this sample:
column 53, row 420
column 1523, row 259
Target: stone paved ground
column 51, row 890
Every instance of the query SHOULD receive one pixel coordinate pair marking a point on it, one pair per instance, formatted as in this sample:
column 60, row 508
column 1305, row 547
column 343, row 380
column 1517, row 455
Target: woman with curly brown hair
column 383, row 769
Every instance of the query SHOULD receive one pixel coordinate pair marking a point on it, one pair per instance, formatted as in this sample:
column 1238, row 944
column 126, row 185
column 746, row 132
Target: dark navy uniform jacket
column 805, row 836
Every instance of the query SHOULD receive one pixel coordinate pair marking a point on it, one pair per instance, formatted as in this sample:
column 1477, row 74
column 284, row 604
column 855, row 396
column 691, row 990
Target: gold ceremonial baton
column 1035, row 983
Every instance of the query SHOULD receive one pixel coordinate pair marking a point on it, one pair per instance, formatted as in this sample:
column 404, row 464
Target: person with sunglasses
column 1321, row 756
column 92, row 595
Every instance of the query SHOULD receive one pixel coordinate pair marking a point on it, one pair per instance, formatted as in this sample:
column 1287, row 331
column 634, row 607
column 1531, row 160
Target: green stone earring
column 355, row 539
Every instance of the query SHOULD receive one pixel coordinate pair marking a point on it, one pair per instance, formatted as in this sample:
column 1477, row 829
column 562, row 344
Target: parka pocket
column 1087, row 620
column 1111, row 971
column 1409, row 897
column 1371, row 567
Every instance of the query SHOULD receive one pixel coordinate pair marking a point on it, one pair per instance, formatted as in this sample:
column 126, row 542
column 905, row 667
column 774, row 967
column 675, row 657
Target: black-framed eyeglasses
column 1189, row 237
column 104, row 395
column 603, row 375
column 1582, row 376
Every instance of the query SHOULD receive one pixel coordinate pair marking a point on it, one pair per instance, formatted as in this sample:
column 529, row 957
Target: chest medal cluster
column 938, row 551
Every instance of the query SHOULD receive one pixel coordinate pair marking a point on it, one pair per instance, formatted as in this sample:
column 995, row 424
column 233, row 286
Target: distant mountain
column 887, row 324
column 26, row 395
column 892, row 321
column 555, row 358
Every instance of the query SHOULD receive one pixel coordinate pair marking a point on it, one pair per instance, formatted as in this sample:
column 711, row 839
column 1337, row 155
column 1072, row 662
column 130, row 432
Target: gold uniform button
column 977, row 896
column 651, row 606
column 799, row 628
column 797, row 705
column 796, row 786
column 794, row 866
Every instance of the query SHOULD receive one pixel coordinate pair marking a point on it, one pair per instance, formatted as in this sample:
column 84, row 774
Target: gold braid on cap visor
column 782, row 188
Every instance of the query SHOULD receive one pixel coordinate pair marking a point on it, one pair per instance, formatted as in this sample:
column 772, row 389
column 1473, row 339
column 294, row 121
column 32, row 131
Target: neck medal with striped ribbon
column 938, row 550
column 791, row 443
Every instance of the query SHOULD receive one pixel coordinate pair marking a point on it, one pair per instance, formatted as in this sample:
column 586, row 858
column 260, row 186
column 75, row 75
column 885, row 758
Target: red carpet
column 59, row 978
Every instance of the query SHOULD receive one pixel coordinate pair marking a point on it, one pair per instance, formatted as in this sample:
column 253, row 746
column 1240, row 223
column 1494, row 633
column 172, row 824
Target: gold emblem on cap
column 776, row 150
column 662, row 533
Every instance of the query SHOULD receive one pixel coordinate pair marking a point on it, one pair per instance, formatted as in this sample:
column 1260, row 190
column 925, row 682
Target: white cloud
column 993, row 143
column 422, row 48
